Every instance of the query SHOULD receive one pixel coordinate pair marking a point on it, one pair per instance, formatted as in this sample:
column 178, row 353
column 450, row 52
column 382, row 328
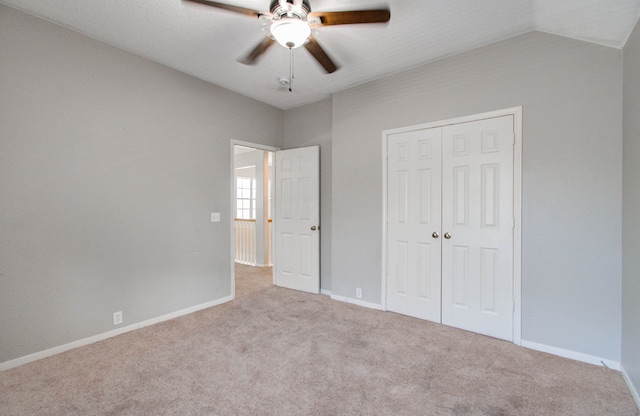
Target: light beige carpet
column 279, row 352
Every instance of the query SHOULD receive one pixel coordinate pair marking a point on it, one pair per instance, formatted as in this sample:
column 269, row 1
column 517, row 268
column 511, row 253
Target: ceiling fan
column 291, row 22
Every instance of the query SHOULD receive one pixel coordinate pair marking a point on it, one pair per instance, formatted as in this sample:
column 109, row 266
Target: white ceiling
column 206, row 42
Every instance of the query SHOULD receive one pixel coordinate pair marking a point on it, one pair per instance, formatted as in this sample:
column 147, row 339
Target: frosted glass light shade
column 290, row 32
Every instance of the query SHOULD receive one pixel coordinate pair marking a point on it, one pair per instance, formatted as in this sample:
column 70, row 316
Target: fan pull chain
column 290, row 69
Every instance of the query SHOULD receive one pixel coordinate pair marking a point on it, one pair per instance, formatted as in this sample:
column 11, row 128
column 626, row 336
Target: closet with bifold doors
column 449, row 237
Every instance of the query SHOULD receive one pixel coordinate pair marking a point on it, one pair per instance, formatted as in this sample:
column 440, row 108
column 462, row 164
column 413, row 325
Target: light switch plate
column 215, row 217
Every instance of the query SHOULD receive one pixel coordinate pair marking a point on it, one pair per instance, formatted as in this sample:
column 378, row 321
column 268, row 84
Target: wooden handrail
column 249, row 220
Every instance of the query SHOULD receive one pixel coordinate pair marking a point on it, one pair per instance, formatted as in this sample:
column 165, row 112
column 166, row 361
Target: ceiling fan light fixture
column 290, row 32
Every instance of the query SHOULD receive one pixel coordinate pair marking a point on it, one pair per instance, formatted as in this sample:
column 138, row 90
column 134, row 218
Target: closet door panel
column 477, row 225
column 413, row 216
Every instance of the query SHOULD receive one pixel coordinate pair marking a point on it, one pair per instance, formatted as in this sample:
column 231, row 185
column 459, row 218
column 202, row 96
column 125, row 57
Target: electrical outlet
column 117, row 318
column 358, row 293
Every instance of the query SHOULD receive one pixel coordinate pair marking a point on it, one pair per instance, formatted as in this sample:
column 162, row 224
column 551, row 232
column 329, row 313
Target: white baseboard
column 574, row 355
column 632, row 388
column 325, row 292
column 105, row 335
column 358, row 302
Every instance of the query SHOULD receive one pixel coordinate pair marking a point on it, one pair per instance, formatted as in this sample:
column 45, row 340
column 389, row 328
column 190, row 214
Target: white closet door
column 413, row 216
column 477, row 226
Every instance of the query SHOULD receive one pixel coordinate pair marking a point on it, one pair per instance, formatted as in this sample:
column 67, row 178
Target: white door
column 450, row 225
column 413, row 216
column 297, row 219
column 477, row 226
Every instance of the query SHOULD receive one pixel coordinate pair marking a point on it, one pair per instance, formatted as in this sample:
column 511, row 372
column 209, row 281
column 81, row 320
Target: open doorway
column 293, row 253
column 252, row 201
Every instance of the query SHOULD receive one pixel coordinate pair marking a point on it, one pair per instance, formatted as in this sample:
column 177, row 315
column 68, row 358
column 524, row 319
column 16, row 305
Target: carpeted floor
column 279, row 352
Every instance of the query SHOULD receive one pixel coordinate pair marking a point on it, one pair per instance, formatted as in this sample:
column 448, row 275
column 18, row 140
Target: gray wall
column 109, row 168
column 630, row 210
column 306, row 126
column 572, row 157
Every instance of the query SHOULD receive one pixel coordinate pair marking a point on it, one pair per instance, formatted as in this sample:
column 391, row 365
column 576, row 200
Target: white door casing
column 297, row 219
column 480, row 269
column 413, row 216
column 477, row 226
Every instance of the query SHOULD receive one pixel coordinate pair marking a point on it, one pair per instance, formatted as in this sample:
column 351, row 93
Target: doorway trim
column 232, row 212
column 516, row 112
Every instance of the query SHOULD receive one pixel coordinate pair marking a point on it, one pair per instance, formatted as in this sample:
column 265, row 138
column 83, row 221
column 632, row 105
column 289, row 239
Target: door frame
column 232, row 212
column 516, row 112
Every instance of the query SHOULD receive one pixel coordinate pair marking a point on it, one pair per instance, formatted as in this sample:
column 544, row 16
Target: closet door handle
column 447, row 236
column 435, row 234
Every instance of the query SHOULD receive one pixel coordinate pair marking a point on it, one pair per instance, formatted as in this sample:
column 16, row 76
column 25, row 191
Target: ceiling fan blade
column 236, row 9
column 258, row 50
column 316, row 50
column 352, row 17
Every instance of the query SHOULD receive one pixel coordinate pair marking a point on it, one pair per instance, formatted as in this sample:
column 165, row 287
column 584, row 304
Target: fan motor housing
column 279, row 11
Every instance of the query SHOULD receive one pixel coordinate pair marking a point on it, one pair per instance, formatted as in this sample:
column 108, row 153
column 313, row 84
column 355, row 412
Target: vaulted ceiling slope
column 207, row 42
